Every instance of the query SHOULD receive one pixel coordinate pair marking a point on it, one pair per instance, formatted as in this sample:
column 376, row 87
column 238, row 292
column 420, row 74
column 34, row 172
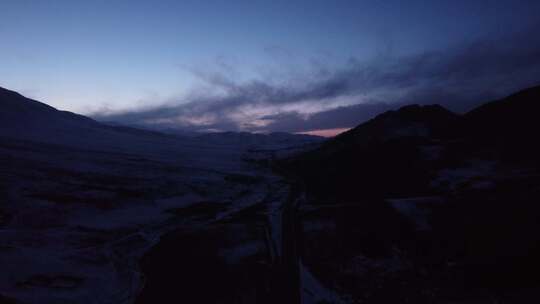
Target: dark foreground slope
column 417, row 141
column 384, row 156
column 428, row 206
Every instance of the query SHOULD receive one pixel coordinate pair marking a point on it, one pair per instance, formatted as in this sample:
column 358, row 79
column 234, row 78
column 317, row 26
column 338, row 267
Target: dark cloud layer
column 459, row 78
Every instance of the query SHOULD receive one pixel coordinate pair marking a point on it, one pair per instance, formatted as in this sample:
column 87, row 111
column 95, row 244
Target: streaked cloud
column 341, row 97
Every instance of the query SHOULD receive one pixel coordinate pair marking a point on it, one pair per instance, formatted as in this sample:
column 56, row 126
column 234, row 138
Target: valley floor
column 79, row 226
column 82, row 226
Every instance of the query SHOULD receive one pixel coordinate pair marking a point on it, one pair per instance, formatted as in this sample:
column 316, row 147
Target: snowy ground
column 75, row 222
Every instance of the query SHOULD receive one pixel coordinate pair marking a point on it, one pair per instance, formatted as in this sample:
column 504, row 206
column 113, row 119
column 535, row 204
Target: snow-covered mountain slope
column 81, row 202
column 24, row 118
column 29, row 120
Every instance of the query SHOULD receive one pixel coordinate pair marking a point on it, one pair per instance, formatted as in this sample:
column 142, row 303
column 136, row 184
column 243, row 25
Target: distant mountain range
column 26, row 119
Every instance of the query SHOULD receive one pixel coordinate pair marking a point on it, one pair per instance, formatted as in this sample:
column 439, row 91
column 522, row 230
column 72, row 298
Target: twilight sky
column 255, row 65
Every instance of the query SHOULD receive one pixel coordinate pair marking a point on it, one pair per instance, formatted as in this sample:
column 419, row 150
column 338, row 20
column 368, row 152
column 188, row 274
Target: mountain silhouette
column 397, row 152
column 468, row 185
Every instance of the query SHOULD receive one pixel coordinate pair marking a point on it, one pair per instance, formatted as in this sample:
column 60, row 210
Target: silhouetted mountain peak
column 408, row 121
column 418, row 113
column 402, row 149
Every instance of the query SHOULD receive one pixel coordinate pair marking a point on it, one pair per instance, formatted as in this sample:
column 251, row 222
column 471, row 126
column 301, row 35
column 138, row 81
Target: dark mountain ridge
column 509, row 125
column 397, row 152
column 467, row 185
